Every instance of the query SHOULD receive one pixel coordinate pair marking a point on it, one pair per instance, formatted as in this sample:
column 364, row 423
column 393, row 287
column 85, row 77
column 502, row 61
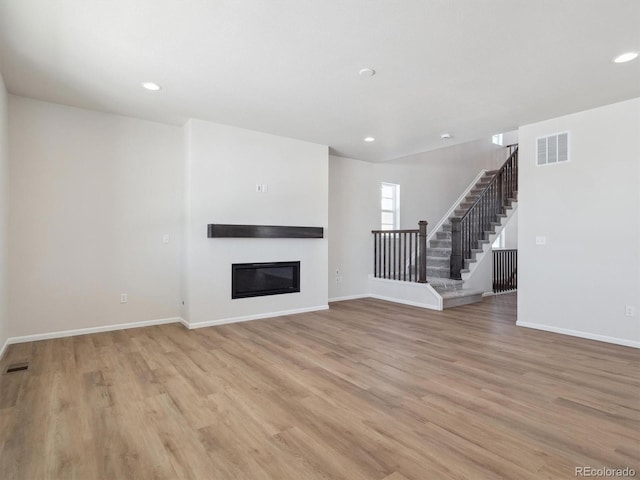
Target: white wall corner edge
column 4, row 348
column 577, row 333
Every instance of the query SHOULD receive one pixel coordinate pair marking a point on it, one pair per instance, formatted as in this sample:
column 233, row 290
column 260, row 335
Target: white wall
column 4, row 215
column 92, row 195
column 224, row 166
column 589, row 210
column 509, row 138
column 511, row 232
column 354, row 199
column 429, row 182
column 185, row 206
column 482, row 275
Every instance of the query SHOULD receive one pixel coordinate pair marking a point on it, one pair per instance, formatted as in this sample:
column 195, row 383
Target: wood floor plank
column 366, row 390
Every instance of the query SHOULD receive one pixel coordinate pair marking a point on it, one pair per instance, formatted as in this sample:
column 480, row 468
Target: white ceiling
column 290, row 67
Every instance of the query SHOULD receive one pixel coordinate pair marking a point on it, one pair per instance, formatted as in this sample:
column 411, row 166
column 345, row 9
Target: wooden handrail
column 493, row 181
column 415, row 230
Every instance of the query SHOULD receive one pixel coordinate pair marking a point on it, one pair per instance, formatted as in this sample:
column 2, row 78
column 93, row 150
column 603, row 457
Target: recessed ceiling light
column 626, row 57
column 369, row 139
column 445, row 136
column 154, row 87
column 367, row 72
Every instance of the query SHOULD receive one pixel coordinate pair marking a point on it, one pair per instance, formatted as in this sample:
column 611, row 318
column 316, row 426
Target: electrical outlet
column 165, row 238
column 541, row 240
column 630, row 310
column 124, row 298
column 338, row 278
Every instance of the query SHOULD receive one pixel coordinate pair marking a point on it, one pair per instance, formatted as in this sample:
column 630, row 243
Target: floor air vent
column 17, row 367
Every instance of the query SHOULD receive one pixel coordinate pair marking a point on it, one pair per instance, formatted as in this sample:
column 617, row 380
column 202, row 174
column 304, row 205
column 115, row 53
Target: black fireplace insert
column 259, row 279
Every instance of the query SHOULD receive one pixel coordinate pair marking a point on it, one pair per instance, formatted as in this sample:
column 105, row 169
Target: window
column 498, row 139
column 499, row 242
column 390, row 206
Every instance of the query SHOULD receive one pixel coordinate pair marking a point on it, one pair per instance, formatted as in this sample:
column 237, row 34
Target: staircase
column 453, row 291
column 403, row 255
column 439, row 252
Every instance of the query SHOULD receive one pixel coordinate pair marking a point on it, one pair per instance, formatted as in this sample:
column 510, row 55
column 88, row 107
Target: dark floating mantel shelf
column 219, row 230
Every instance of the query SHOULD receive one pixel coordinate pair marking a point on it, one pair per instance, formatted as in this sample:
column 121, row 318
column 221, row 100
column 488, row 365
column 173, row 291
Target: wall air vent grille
column 552, row 149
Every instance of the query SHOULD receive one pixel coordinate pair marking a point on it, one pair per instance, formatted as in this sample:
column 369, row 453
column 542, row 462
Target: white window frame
column 498, row 139
column 499, row 243
column 395, row 210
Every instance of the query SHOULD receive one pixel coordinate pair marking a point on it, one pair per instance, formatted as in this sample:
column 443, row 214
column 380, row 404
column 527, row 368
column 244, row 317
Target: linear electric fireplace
column 258, row 279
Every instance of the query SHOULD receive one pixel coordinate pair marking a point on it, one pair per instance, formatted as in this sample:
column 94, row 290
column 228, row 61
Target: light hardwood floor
column 366, row 390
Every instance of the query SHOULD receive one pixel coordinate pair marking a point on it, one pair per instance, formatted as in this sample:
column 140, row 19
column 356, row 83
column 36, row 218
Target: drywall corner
column 4, row 216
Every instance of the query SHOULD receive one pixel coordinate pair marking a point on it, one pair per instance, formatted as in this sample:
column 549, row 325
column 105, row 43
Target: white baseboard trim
column 259, row 316
column 149, row 323
column 490, row 294
column 578, row 333
column 85, row 331
column 405, row 302
column 349, row 297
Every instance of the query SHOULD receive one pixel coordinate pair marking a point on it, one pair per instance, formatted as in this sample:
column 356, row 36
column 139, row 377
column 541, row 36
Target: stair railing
column 505, row 270
column 401, row 254
column 468, row 229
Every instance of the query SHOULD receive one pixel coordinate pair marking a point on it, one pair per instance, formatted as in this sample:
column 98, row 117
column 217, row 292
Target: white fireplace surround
column 296, row 173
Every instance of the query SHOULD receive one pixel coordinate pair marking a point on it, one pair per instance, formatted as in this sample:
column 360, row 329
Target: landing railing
column 470, row 228
column 401, row 254
column 505, row 270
